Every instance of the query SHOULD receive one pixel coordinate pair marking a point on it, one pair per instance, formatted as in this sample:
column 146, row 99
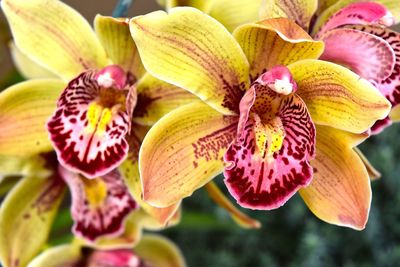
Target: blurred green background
column 291, row 235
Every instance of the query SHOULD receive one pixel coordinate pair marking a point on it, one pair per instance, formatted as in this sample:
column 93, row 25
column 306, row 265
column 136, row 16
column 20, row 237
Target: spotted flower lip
column 92, row 118
column 265, row 100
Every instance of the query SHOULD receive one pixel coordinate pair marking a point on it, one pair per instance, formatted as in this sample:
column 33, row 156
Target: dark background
column 291, row 235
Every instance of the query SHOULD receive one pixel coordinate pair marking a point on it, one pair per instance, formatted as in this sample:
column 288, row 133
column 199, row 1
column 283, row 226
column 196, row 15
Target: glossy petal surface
column 99, row 206
column 349, row 48
column 26, row 217
column 24, row 110
column 89, row 137
column 183, row 151
column 340, row 191
column 116, row 39
column 60, row 256
column 337, row 97
column 191, row 50
column 114, row 258
column 300, row 11
column 275, row 42
column 156, row 98
column 54, row 35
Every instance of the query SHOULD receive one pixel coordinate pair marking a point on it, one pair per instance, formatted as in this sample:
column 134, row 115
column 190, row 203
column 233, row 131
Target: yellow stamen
column 95, row 190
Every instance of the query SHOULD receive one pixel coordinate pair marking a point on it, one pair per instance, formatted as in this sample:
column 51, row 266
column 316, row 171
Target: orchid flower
column 105, row 104
column 151, row 251
column 351, row 30
column 273, row 118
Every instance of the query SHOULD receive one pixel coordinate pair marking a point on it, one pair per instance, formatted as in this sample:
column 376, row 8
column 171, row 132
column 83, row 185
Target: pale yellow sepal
column 24, row 111
column 26, row 66
column 373, row 173
column 203, row 5
column 275, row 42
column 340, row 192
column 337, row 97
column 183, row 151
column 300, row 11
column 239, row 217
column 26, row 217
column 54, row 35
column 158, row 251
column 116, row 39
column 394, row 114
column 157, row 98
column 64, row 255
column 191, row 50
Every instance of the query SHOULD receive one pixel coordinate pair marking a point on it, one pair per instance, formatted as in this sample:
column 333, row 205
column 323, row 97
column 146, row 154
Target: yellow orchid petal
column 300, row 11
column 116, row 39
column 203, row 5
column 159, row 251
column 24, row 110
column 189, row 49
column 129, row 238
column 239, row 217
column 324, row 4
column 183, row 151
column 22, row 166
column 156, row 98
column 26, row 216
column 392, row 6
column 275, row 42
column 54, row 35
column 148, row 222
column 337, row 97
column 130, row 173
column 233, row 13
column 340, row 192
column 63, row 255
column 26, row 66
column 373, row 173
column 394, row 114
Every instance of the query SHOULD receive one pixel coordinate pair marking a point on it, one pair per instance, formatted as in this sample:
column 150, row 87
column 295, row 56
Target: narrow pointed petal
column 348, row 47
column 60, row 256
column 275, row 42
column 265, row 177
column 99, row 206
column 233, row 13
column 130, row 173
column 191, row 50
column 26, row 66
column 300, row 11
column 156, row 98
column 116, row 39
column 88, row 138
column 183, row 151
column 24, row 110
column 159, row 251
column 337, row 97
column 351, row 12
column 26, row 217
column 340, row 192
column 239, row 217
column 373, row 173
column 54, row 35
column 395, row 114
column 148, row 222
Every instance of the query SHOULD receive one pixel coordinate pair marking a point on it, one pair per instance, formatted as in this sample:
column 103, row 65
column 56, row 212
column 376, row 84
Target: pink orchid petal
column 90, row 150
column 266, row 182
column 380, row 125
column 369, row 56
column 114, row 258
column 99, row 206
column 364, row 13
